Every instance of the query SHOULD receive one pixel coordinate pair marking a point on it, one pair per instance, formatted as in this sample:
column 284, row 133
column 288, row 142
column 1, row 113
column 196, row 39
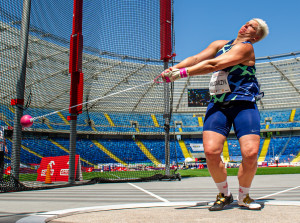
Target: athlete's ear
column 255, row 39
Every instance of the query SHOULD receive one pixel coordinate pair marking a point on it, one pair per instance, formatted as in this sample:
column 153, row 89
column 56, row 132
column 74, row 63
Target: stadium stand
column 111, row 128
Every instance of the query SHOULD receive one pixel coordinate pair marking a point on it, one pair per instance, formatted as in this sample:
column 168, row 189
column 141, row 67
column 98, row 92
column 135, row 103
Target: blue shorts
column 243, row 115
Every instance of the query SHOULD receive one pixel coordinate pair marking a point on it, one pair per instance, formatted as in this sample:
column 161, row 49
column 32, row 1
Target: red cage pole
column 166, row 55
column 75, row 63
column 76, row 91
column 166, row 30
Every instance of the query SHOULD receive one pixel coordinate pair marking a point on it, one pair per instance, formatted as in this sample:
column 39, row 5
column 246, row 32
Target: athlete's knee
column 250, row 147
column 213, row 144
column 250, row 157
column 212, row 151
column 213, row 157
column 250, row 154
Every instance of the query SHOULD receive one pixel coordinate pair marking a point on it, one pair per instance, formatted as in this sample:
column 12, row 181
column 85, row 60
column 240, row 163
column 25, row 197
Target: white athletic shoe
column 249, row 203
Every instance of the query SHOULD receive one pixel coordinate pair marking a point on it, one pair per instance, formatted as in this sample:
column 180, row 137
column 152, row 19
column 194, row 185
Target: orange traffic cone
column 48, row 175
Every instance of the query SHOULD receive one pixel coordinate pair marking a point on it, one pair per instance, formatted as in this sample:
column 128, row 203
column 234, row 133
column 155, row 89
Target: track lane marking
column 280, row 192
column 148, row 192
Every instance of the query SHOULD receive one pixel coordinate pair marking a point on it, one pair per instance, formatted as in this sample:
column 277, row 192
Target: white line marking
column 48, row 216
column 280, row 192
column 148, row 192
column 281, row 203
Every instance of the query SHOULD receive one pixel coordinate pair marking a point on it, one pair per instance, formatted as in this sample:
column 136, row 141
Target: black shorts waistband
column 228, row 104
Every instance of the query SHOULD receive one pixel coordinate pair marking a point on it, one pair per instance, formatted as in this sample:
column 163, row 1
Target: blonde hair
column 263, row 29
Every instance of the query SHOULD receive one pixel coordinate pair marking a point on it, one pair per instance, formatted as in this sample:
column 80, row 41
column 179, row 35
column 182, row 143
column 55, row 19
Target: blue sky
column 197, row 23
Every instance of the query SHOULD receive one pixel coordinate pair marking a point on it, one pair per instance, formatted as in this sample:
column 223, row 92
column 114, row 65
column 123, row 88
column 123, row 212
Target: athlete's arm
column 206, row 54
column 238, row 54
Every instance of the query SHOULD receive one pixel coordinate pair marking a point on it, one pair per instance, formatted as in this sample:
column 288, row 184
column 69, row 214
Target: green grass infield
column 234, row 171
column 183, row 173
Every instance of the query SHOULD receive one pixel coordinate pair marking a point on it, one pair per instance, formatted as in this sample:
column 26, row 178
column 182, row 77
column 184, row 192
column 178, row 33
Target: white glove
column 175, row 74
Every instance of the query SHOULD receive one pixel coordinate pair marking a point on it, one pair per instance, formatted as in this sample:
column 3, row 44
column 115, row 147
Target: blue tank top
column 241, row 79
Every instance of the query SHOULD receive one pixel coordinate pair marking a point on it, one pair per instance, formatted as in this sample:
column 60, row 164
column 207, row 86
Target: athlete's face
column 249, row 29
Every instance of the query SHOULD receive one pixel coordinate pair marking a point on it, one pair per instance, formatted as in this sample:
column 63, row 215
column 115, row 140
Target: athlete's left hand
column 173, row 74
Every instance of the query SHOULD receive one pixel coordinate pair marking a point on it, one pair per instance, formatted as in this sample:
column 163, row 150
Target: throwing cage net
column 100, row 112
column 87, row 72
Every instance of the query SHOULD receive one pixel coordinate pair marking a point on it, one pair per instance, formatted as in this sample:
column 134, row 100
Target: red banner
column 59, row 168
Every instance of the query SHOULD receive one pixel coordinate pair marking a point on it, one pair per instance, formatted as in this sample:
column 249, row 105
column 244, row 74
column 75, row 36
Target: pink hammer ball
column 26, row 121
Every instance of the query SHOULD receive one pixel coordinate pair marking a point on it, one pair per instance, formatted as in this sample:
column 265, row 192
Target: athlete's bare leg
column 249, row 149
column 213, row 146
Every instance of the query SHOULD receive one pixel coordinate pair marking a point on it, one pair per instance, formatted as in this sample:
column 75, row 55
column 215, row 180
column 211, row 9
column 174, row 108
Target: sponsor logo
column 44, row 171
column 64, row 172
